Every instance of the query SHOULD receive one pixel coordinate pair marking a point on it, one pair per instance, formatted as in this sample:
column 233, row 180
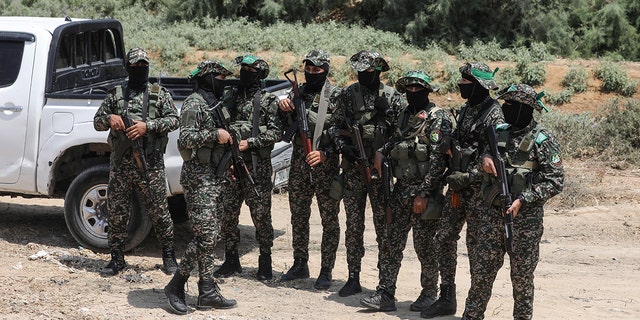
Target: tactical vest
column 211, row 152
column 153, row 142
column 518, row 167
column 469, row 151
column 410, row 157
column 374, row 125
column 244, row 128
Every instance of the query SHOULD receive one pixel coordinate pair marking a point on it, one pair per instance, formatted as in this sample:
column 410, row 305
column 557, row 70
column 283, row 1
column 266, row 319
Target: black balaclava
column 370, row 80
column 315, row 81
column 474, row 92
column 418, row 99
column 138, row 77
column 248, row 78
column 210, row 85
column 517, row 114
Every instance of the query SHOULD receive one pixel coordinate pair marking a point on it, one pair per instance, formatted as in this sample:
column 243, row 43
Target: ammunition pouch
column 435, row 204
column 410, row 160
column 467, row 156
column 337, row 187
column 518, row 180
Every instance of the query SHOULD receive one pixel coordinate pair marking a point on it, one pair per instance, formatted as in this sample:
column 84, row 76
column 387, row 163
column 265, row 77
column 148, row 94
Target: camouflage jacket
column 160, row 121
column 377, row 126
column 470, row 130
column 423, row 131
column 546, row 176
column 239, row 103
column 312, row 103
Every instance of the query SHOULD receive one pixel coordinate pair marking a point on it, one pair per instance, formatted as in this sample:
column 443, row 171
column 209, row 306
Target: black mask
column 248, row 78
column 138, row 76
column 417, row 99
column 466, row 89
column 370, row 80
column 517, row 114
column 315, row 81
column 211, row 83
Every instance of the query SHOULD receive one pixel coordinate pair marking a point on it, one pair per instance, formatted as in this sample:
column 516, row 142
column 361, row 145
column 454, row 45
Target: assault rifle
column 363, row 162
column 387, row 180
column 301, row 125
column 137, row 147
column 505, row 193
column 454, row 165
column 221, row 117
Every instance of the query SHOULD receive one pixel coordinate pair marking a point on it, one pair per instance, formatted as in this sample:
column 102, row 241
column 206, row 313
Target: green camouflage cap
column 137, row 54
column 414, row 78
column 481, row 73
column 253, row 62
column 207, row 67
column 366, row 59
column 317, row 57
column 525, row 94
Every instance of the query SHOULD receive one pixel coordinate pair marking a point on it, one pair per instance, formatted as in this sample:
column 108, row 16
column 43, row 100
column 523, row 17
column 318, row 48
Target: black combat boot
column 445, row 305
column 381, row 300
column 299, row 270
column 324, row 279
column 209, row 296
column 352, row 286
column 169, row 263
column 264, row 267
column 116, row 264
column 174, row 291
column 230, row 266
column 424, row 301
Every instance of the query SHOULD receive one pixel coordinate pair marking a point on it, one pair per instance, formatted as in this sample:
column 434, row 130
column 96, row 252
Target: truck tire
column 86, row 214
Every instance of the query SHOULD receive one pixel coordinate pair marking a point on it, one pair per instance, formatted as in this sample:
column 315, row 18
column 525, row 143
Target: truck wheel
column 86, row 214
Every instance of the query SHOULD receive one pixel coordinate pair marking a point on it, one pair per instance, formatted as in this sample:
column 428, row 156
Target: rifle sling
column 255, row 130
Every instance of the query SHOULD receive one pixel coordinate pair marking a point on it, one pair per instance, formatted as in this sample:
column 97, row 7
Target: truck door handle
column 11, row 108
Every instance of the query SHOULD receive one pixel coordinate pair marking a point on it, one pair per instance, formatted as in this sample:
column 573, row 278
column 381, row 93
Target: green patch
column 435, row 136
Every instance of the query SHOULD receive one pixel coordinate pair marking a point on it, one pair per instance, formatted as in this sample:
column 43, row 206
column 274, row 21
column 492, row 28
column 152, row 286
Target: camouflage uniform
column 356, row 106
column 240, row 103
column 304, row 183
column 417, row 141
column 125, row 176
column 535, row 153
column 471, row 123
column 198, row 140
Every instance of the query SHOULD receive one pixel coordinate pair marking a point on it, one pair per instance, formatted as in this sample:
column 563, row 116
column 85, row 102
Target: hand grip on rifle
column 137, row 148
column 505, row 198
column 301, row 117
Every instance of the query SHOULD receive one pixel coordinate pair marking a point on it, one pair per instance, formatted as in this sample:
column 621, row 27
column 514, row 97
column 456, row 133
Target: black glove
column 350, row 153
column 382, row 105
column 458, row 180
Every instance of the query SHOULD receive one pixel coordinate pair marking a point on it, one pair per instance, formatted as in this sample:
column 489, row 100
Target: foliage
column 576, row 79
column 559, row 98
column 530, row 73
column 615, row 79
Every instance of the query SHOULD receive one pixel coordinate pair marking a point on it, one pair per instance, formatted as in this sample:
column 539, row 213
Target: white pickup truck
column 54, row 73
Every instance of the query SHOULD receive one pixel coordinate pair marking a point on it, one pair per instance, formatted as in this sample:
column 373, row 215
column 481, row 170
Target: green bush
column 531, row 73
column 615, row 79
column 507, row 76
column 576, row 79
column 559, row 98
column 618, row 132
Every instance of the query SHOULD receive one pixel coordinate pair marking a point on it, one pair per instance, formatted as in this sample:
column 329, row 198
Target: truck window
column 10, row 61
column 79, row 47
column 110, row 47
column 95, row 54
column 64, row 52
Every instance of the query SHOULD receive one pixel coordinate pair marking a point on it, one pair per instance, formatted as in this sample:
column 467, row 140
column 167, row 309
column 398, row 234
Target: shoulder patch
column 435, row 136
column 556, row 159
column 541, row 137
column 502, row 126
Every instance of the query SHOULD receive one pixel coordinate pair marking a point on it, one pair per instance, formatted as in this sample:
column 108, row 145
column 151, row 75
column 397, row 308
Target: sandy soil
column 589, row 266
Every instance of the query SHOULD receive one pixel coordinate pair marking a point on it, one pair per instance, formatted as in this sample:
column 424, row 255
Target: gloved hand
column 458, row 180
column 382, row 105
column 350, row 153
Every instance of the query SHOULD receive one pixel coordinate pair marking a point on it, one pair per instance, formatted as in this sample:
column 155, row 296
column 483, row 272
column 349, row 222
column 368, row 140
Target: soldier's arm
column 193, row 134
column 548, row 180
column 273, row 132
column 168, row 118
column 103, row 114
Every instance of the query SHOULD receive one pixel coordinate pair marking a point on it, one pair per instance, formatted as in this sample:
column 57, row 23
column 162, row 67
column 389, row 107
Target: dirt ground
column 589, row 267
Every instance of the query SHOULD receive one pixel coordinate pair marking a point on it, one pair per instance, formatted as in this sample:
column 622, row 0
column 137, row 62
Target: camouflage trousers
column 451, row 223
column 528, row 229
column 423, row 243
column 301, row 192
column 202, row 192
column 125, row 179
column 354, row 201
column 239, row 191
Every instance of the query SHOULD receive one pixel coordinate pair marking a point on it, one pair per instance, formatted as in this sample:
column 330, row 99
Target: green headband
column 249, row 59
column 194, row 72
column 484, row 75
column 539, row 100
column 418, row 75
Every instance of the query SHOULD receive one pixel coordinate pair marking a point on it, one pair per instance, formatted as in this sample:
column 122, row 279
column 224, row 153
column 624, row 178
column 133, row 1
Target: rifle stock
column 506, row 198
